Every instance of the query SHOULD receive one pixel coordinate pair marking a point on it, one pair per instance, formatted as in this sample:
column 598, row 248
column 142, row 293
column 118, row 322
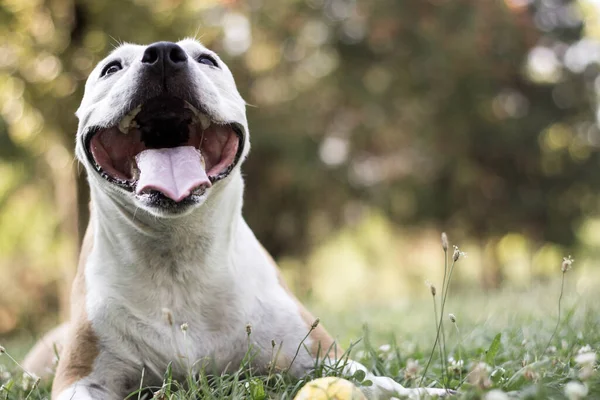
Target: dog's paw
column 386, row 388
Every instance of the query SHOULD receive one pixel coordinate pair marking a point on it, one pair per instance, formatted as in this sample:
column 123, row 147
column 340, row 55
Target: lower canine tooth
column 204, row 121
column 135, row 172
column 123, row 126
column 202, row 160
column 124, row 123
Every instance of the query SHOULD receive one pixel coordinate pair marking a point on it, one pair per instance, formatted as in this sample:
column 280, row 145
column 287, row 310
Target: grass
column 509, row 344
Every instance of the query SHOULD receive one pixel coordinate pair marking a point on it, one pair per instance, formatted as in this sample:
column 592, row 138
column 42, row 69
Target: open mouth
column 165, row 146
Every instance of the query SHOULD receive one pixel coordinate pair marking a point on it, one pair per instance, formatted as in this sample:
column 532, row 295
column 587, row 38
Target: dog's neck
column 134, row 240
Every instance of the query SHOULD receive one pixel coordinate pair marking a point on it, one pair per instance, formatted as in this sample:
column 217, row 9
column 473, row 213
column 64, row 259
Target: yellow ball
column 330, row 388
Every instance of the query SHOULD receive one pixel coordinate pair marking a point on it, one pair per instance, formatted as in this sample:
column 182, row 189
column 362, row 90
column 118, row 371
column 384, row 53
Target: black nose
column 165, row 55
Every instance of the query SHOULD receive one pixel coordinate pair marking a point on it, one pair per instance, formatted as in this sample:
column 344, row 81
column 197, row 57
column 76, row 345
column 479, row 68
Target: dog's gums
column 165, row 145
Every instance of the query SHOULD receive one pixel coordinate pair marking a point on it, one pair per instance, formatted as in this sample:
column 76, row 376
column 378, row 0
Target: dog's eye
column 208, row 60
column 111, row 68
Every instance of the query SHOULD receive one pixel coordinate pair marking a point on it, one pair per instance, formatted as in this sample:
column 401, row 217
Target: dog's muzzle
column 165, row 148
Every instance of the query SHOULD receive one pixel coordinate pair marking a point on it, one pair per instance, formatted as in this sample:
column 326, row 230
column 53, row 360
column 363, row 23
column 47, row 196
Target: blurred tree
column 476, row 116
column 465, row 114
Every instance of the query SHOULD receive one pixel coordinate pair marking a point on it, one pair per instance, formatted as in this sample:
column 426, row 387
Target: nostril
column 150, row 55
column 164, row 55
column 177, row 54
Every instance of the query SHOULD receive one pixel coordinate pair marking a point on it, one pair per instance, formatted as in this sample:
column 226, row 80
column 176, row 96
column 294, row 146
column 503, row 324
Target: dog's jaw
column 125, row 219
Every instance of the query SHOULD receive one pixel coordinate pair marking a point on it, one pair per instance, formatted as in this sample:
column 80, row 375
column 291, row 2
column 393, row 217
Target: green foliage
column 521, row 368
column 490, row 354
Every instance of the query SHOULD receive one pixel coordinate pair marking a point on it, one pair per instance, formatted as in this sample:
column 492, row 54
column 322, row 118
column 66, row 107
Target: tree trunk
column 491, row 273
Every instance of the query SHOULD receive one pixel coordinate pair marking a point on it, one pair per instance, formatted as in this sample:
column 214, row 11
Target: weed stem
column 312, row 328
column 562, row 289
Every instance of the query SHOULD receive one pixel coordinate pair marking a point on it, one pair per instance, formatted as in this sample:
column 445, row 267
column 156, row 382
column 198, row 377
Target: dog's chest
column 192, row 308
column 178, row 325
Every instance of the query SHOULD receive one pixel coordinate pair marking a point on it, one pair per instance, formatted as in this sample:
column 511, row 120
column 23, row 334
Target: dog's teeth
column 136, row 111
column 190, row 107
column 204, row 121
column 135, row 172
column 124, row 125
column 128, row 120
column 202, row 160
column 198, row 116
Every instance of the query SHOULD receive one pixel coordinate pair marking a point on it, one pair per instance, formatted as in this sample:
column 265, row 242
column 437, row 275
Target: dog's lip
column 128, row 185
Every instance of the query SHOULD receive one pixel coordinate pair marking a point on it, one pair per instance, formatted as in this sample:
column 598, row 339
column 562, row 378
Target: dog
column 169, row 271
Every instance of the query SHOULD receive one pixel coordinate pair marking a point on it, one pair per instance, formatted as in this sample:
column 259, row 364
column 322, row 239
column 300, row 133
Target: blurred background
column 376, row 125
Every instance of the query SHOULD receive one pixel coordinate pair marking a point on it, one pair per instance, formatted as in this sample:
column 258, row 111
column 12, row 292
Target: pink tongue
column 175, row 172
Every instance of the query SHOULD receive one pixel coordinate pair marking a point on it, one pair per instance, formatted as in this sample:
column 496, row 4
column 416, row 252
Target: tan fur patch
column 322, row 344
column 81, row 346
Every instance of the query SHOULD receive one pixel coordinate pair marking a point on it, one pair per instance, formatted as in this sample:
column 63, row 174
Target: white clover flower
column 384, row 348
column 566, row 264
column 586, row 358
column 586, row 372
column 575, row 390
column 412, row 370
column 385, row 352
column 455, row 366
column 453, row 363
column 496, row 394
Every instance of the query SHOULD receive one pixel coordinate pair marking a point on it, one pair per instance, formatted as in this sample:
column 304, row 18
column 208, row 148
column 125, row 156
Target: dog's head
column 162, row 125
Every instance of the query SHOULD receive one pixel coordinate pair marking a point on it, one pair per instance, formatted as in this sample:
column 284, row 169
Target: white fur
column 149, row 273
column 77, row 391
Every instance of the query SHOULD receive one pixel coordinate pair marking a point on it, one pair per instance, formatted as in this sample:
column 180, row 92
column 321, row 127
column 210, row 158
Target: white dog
column 162, row 134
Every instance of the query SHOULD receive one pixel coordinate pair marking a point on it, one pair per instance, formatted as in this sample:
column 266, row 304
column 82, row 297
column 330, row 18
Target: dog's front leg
column 89, row 389
column 109, row 379
column 87, row 371
column 79, row 390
